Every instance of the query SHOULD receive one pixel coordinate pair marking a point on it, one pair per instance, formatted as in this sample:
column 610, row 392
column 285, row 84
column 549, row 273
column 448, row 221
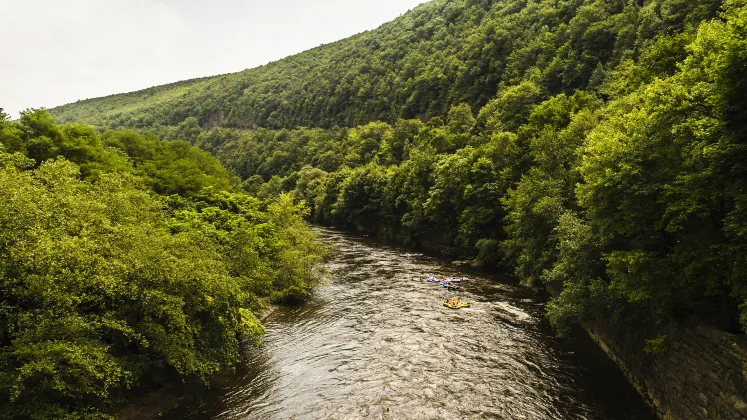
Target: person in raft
column 455, row 301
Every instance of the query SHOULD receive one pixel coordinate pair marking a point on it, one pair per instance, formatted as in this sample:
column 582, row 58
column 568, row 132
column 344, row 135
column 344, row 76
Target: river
column 376, row 342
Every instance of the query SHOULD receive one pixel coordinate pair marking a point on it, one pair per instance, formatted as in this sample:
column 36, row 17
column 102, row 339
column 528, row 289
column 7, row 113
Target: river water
column 376, row 342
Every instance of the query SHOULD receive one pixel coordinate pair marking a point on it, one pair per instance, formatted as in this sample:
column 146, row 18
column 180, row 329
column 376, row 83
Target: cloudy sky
column 58, row 51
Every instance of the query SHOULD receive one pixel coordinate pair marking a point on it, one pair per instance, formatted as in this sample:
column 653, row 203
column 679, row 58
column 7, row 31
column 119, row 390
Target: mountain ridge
column 63, row 112
column 440, row 54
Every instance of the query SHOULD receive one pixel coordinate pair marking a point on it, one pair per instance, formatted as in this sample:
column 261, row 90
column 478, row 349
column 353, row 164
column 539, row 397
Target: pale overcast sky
column 58, row 51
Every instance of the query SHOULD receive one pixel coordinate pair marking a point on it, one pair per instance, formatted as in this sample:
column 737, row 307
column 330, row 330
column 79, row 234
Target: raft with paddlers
column 456, row 303
column 447, row 280
column 448, row 285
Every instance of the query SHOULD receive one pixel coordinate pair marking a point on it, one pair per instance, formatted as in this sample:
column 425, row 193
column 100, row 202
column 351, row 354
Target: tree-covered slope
column 597, row 146
column 442, row 53
column 127, row 261
column 627, row 194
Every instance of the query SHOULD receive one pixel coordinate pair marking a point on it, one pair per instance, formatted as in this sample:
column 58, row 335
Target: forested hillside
column 443, row 53
column 598, row 146
column 127, row 261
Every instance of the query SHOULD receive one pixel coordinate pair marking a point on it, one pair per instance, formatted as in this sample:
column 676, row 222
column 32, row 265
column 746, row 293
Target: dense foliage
column 441, row 54
column 597, row 146
column 105, row 285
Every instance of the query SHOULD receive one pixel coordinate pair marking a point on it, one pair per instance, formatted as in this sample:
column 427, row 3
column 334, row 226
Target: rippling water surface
column 376, row 342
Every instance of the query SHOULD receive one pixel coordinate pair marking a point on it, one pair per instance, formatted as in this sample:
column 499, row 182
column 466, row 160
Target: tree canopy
column 606, row 158
column 442, row 53
column 124, row 258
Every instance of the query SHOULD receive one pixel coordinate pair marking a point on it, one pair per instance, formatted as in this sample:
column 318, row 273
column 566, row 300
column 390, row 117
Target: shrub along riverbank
column 125, row 260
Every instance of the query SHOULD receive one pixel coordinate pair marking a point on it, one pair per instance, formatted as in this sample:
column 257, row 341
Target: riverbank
column 702, row 374
column 146, row 404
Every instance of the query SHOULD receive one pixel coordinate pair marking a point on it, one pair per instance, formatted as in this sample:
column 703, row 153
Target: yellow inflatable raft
column 458, row 305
